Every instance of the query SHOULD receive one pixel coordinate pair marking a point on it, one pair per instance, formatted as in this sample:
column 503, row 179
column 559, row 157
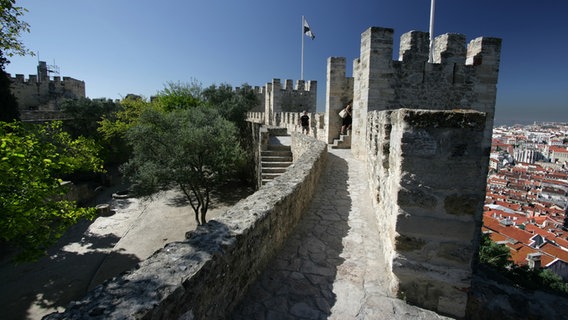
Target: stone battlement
column 33, row 80
column 43, row 93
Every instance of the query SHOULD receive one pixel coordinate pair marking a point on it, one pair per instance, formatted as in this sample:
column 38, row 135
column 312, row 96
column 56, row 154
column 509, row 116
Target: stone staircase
column 274, row 161
column 343, row 142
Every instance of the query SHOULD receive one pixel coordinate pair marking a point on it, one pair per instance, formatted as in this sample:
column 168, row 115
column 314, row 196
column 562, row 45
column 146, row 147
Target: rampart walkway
column 328, row 267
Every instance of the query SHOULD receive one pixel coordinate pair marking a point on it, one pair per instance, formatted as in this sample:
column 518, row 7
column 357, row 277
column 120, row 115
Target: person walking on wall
column 305, row 122
column 347, row 119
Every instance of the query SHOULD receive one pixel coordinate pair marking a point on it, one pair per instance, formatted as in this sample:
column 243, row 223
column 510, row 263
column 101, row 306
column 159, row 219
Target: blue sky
column 119, row 47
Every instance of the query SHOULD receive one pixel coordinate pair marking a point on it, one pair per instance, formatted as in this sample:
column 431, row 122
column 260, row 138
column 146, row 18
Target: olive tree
column 194, row 149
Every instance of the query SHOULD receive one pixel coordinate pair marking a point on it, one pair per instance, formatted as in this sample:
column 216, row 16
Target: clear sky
column 119, row 47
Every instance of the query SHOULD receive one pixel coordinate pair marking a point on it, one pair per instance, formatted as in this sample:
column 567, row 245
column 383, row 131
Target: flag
column 307, row 30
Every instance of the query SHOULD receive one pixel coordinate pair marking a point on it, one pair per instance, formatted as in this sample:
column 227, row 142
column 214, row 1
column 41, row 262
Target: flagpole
column 431, row 54
column 302, row 63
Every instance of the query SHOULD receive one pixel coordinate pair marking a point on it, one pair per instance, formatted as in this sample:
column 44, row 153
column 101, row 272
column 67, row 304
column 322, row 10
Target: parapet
column 301, row 85
column 448, row 48
column 459, row 76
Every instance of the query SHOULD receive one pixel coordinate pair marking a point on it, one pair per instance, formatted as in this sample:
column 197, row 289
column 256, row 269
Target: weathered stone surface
column 462, row 204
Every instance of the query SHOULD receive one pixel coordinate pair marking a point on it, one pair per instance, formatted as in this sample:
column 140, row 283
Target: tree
column 496, row 255
column 33, row 210
column 11, row 28
column 9, row 110
column 232, row 104
column 194, row 149
column 86, row 115
column 117, row 124
column 178, row 95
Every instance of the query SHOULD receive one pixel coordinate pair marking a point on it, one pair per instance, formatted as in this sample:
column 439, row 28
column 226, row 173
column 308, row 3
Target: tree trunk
column 203, row 215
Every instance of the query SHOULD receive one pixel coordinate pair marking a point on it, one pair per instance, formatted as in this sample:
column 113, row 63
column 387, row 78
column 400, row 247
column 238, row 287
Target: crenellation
column 484, row 51
column 414, row 47
column 298, row 98
column 39, row 96
column 449, row 49
column 19, row 78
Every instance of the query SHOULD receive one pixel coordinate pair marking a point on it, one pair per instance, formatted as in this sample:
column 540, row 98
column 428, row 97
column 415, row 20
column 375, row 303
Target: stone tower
column 459, row 78
column 424, row 130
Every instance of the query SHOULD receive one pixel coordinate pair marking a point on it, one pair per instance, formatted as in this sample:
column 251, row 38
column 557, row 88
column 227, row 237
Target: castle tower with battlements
column 39, row 96
column 288, row 98
column 460, row 78
column 424, row 130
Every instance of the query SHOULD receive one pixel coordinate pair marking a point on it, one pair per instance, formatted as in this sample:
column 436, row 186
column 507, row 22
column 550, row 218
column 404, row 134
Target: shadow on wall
column 302, row 274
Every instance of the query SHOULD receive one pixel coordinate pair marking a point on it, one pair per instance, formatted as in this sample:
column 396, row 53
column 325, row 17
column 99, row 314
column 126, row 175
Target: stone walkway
column 328, row 268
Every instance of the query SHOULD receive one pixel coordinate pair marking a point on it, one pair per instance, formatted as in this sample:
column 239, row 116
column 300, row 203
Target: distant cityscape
column 527, row 194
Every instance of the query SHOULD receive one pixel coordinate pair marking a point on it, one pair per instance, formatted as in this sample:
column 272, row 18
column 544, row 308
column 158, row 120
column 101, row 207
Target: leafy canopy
column 11, row 28
column 193, row 149
column 178, row 95
column 33, row 209
column 496, row 255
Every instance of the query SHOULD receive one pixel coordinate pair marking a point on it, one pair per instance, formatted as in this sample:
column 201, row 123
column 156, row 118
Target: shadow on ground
column 29, row 289
column 75, row 264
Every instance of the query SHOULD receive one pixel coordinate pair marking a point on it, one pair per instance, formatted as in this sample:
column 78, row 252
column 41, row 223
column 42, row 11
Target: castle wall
column 428, row 174
column 288, row 98
column 406, row 120
column 339, row 93
column 459, row 78
column 39, row 93
column 291, row 122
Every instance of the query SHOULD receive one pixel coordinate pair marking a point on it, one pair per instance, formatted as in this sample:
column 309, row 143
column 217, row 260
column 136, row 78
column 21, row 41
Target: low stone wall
column 206, row 276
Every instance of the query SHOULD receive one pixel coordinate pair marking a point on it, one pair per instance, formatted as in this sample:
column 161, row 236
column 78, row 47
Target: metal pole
column 432, row 8
column 302, row 64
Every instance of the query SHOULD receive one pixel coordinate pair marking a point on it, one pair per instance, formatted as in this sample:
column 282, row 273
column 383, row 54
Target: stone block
column 435, row 228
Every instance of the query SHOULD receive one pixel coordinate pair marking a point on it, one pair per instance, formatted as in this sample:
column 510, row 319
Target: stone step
column 344, row 142
column 278, row 147
column 276, row 159
column 270, row 176
column 284, row 164
column 269, row 153
column 274, row 169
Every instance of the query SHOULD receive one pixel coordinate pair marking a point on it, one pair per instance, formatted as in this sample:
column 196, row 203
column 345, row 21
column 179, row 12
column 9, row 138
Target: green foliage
column 232, row 104
column 497, row 257
column 115, row 125
column 8, row 104
column 179, row 96
column 194, row 149
column 33, row 211
column 12, row 27
column 86, row 115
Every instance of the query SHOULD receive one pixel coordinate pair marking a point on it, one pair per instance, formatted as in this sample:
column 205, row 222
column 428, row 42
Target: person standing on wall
column 347, row 119
column 305, row 122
